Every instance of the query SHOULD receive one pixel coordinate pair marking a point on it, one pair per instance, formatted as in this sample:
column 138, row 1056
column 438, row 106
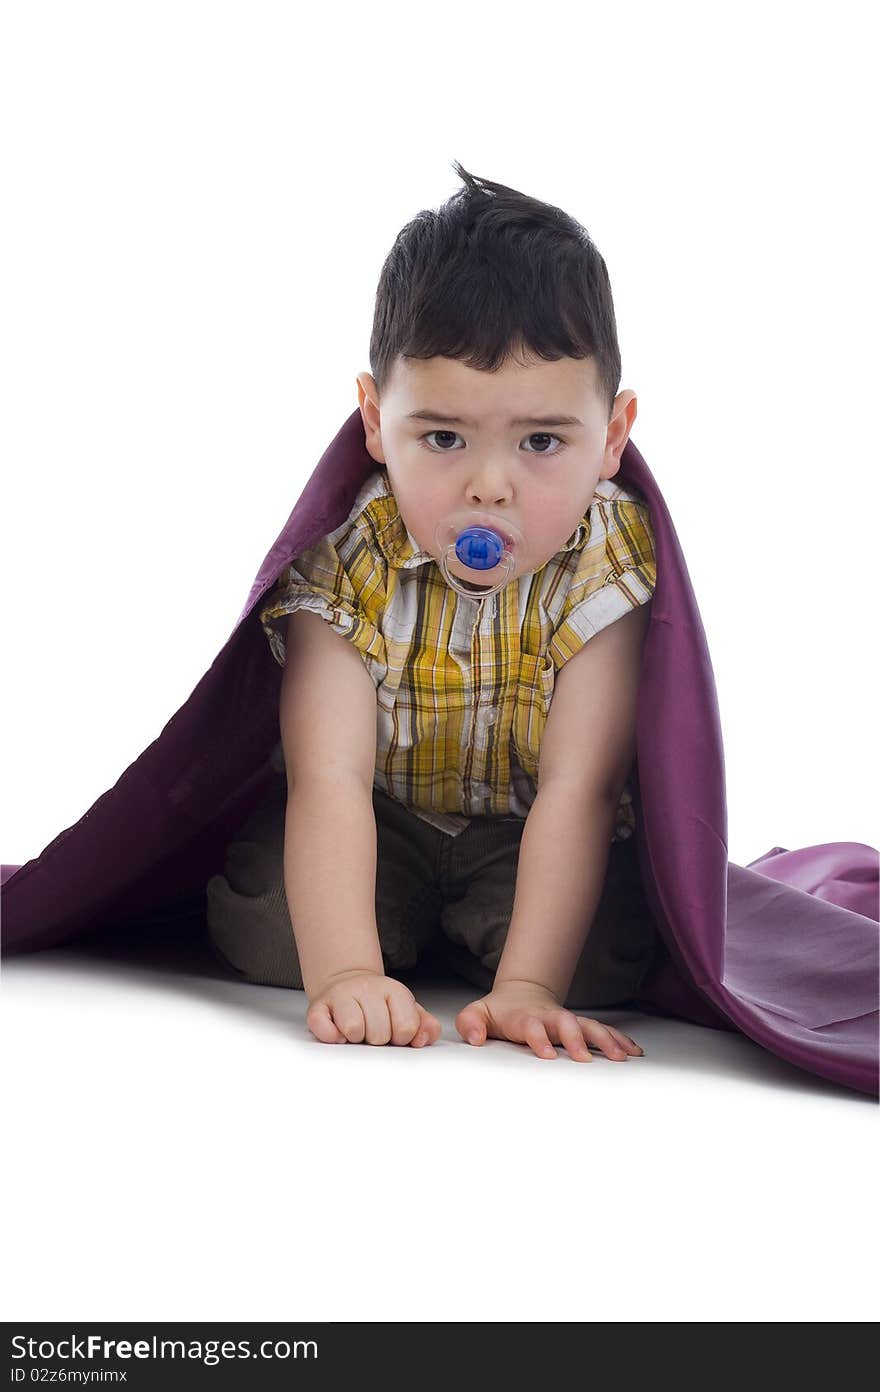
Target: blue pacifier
column 479, row 547
column 483, row 543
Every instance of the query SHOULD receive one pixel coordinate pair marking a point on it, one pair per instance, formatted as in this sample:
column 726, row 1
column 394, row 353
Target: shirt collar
column 395, row 541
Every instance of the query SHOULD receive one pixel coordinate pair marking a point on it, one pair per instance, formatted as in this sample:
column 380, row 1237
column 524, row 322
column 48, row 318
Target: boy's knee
column 253, row 934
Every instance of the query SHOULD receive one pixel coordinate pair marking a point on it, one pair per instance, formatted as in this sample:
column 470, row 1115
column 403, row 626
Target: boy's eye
column 447, row 433
column 453, row 435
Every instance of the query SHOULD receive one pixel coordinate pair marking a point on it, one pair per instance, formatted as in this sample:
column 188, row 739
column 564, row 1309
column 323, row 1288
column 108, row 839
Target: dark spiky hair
column 491, row 273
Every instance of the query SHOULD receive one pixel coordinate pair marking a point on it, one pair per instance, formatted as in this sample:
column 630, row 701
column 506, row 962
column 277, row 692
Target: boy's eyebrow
column 519, row 420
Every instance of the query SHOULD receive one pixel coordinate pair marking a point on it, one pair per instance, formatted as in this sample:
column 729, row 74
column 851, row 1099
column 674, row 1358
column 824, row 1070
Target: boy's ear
column 368, row 399
column 366, row 390
column 623, row 415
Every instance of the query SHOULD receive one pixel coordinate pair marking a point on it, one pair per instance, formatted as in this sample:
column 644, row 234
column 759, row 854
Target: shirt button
column 491, row 715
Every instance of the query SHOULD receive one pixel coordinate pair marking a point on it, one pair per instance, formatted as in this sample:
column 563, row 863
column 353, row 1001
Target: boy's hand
column 359, row 1007
column 527, row 1013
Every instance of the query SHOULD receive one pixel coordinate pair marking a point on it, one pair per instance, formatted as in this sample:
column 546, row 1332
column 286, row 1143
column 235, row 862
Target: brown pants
column 453, row 892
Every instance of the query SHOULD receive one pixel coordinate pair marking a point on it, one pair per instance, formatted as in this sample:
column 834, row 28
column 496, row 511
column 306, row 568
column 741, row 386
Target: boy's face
column 541, row 476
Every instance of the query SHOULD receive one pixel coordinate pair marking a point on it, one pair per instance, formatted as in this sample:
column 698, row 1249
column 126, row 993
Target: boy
column 436, row 757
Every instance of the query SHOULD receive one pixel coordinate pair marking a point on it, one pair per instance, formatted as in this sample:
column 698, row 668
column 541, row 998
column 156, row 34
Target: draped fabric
column 784, row 950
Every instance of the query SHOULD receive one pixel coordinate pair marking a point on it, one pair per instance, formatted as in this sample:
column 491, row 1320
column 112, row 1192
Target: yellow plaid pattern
column 463, row 686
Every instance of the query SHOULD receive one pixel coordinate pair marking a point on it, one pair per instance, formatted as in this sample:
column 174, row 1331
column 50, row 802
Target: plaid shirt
column 463, row 686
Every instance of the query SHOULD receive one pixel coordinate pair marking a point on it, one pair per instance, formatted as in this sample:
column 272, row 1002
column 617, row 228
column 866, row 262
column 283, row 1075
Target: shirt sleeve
column 617, row 571
column 347, row 597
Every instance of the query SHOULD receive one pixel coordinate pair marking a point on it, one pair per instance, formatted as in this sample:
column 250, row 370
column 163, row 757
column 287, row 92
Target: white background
column 197, row 202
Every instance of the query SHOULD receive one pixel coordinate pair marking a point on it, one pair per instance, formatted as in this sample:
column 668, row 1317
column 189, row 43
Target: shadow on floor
column 175, row 943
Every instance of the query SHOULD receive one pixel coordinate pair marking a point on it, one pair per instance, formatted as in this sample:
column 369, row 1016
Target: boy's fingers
column 405, row 1019
column 379, row 1015
column 320, row 1022
column 602, row 1037
column 429, row 1028
column 471, row 1025
column 425, row 1034
column 572, row 1039
column 625, row 1042
column 351, row 1020
column 538, row 1039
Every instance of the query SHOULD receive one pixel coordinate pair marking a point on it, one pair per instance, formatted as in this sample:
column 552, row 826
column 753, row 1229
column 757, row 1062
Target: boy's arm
column 563, row 857
column 587, row 752
column 327, row 716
